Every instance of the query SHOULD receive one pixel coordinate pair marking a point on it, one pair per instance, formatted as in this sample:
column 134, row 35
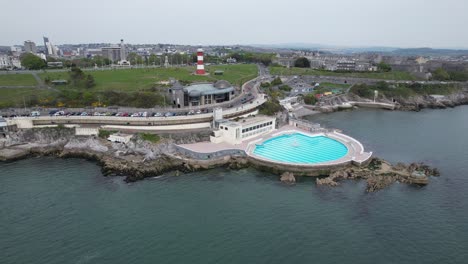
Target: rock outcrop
column 380, row 174
column 288, row 178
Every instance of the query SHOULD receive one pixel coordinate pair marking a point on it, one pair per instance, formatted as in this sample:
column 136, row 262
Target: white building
column 15, row 62
column 9, row 62
column 120, row 138
column 234, row 133
column 4, row 61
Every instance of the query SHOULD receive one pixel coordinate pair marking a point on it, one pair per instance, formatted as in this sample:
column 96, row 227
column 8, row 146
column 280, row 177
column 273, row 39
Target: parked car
column 168, row 114
column 135, row 115
column 35, row 113
column 51, row 113
column 198, row 112
column 158, row 114
column 191, row 112
column 84, row 114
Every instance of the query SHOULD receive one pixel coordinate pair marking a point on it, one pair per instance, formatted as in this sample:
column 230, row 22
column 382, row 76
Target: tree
column 363, row 90
column 302, row 62
column 32, row 62
column 134, row 58
column 441, row 75
column 276, row 81
column 310, row 99
column 76, row 76
column 285, row 88
column 270, row 107
column 79, row 79
column 90, row 81
column 152, row 59
column 382, row 66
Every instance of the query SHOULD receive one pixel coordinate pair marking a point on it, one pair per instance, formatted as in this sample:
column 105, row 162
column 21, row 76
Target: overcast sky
column 397, row 23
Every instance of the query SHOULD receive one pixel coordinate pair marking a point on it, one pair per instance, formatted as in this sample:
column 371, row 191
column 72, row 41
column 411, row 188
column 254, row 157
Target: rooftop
column 255, row 119
column 208, row 88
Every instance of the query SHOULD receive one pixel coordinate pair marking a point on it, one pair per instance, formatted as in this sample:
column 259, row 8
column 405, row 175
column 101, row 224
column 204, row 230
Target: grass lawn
column 153, row 138
column 17, row 79
column 236, row 74
column 394, row 75
column 13, row 97
column 127, row 80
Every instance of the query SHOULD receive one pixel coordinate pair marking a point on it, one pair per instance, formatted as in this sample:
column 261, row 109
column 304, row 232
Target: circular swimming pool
column 300, row 148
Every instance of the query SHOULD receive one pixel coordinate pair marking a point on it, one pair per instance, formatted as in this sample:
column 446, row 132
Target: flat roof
column 255, row 119
column 229, row 123
column 206, row 88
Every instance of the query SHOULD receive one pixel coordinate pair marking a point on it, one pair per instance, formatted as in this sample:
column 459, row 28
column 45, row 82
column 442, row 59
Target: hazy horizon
column 339, row 23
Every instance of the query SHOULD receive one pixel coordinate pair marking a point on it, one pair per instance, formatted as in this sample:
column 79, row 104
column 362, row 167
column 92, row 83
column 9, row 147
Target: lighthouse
column 200, row 66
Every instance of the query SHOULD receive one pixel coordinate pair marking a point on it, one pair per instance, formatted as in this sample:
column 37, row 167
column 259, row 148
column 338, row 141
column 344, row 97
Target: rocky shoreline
column 413, row 103
column 140, row 159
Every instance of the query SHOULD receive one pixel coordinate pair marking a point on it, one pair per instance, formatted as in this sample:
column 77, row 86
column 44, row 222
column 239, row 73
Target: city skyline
column 341, row 23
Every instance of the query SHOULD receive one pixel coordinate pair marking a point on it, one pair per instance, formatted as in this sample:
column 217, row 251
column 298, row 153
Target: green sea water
column 65, row 211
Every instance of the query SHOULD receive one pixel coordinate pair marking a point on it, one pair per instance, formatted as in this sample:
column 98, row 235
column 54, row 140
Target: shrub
column 285, row 87
column 276, row 81
column 271, row 107
column 153, row 138
column 310, row 99
column 302, row 62
column 105, row 133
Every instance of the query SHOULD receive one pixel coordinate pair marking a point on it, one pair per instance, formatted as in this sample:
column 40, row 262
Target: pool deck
column 356, row 153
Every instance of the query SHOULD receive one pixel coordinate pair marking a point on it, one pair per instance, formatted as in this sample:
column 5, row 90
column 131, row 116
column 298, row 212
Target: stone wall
column 207, row 156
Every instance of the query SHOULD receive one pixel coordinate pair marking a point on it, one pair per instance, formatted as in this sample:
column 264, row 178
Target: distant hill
column 429, row 52
column 375, row 49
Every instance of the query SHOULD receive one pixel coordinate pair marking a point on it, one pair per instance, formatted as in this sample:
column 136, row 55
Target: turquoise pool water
column 299, row 148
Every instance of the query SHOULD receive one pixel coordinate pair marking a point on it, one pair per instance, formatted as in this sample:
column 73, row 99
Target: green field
column 133, row 86
column 394, row 75
column 18, row 97
column 127, row 80
column 17, row 79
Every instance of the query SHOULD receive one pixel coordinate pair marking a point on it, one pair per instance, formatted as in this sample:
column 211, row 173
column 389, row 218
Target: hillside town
column 121, row 54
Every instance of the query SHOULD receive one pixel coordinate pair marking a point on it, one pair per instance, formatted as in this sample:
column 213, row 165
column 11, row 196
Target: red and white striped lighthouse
column 200, row 66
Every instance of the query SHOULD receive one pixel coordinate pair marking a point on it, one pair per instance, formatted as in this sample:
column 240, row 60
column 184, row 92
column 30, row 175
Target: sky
column 348, row 23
